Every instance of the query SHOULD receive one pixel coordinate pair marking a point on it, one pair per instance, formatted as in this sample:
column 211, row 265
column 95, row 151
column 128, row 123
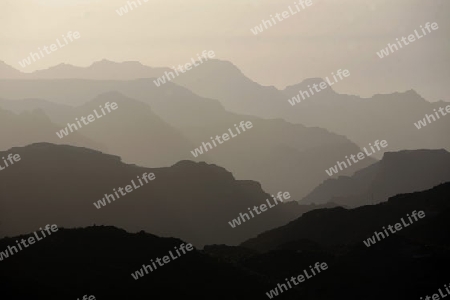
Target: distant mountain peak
column 186, row 162
column 134, row 62
column 312, row 80
column 224, row 66
column 411, row 93
column 9, row 72
column 113, row 95
column 61, row 66
column 103, row 62
column 107, row 62
column 307, row 82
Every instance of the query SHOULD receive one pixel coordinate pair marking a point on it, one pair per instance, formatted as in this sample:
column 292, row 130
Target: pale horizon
column 325, row 37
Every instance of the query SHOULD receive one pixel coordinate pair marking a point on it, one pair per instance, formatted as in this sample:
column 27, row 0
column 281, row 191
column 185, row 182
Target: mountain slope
column 398, row 172
column 362, row 120
column 35, row 126
column 100, row 70
column 99, row 261
column 8, row 72
column 193, row 201
column 280, row 155
column 339, row 226
column 132, row 131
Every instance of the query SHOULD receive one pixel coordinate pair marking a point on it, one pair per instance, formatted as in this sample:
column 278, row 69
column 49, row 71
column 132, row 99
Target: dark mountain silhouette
column 107, row 256
column 398, row 172
column 280, row 155
column 99, row 261
column 194, row 201
column 339, row 226
column 401, row 266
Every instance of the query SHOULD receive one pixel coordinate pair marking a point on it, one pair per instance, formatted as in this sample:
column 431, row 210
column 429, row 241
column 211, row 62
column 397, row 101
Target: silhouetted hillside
column 411, row 262
column 99, row 261
column 193, row 201
column 398, row 172
column 340, row 226
column 102, row 259
column 132, row 123
column 35, row 126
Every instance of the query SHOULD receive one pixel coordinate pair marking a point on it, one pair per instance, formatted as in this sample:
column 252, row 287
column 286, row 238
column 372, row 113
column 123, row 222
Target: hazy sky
column 329, row 35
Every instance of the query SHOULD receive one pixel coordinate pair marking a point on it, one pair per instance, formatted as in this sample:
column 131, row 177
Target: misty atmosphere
column 270, row 149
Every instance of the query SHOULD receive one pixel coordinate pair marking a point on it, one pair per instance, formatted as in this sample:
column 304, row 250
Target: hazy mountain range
column 100, row 70
column 276, row 153
column 155, row 129
column 362, row 120
column 291, row 144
